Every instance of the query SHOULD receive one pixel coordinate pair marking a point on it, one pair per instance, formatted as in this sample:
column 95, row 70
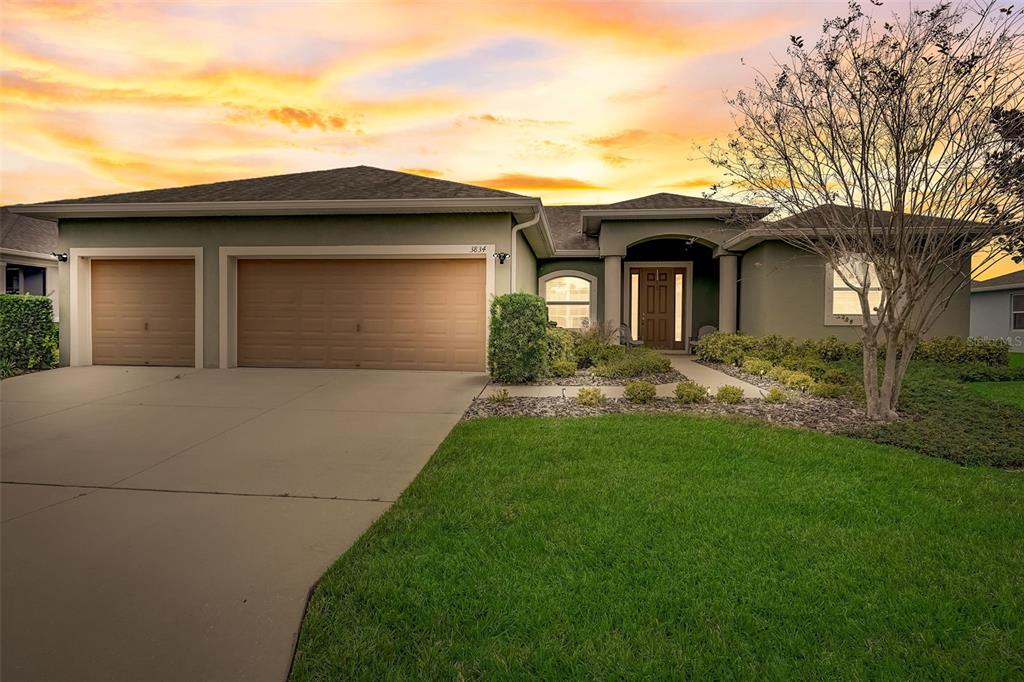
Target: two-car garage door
column 338, row 313
column 378, row 314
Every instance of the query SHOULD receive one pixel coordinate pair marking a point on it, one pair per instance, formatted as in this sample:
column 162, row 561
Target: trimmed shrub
column 562, row 368
column 500, row 396
column 591, row 396
column 688, row 392
column 594, row 345
column 987, row 373
column 826, row 390
column 799, row 380
column 831, row 349
column 773, row 347
column 635, row 362
column 517, row 350
column 779, row 374
column 756, row 365
column 833, row 375
column 776, row 396
column 640, row 391
column 561, row 347
column 808, row 364
column 725, row 348
column 28, row 334
column 954, row 350
column 730, row 395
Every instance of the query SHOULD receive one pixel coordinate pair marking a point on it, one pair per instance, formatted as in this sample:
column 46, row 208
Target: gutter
column 266, row 208
column 27, row 254
column 538, row 216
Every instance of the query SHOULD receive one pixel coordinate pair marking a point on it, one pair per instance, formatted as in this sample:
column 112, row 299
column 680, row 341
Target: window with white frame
column 570, row 298
column 1017, row 312
column 843, row 300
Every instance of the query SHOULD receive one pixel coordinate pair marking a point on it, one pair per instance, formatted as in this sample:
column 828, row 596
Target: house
column 26, row 255
column 365, row 267
column 997, row 309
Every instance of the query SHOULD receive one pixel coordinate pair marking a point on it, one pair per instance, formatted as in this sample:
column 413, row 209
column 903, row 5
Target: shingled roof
column 1010, row 280
column 338, row 184
column 22, row 233
column 564, row 226
column 667, row 200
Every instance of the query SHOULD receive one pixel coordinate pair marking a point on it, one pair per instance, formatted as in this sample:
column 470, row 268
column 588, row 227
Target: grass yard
column 1016, row 359
column 1009, row 392
column 661, row 546
column 951, row 419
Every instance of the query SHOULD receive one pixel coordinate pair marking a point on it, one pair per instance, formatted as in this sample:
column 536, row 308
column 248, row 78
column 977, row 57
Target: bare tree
column 880, row 142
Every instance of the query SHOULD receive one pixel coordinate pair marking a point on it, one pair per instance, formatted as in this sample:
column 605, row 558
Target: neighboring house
column 26, row 256
column 364, row 267
column 997, row 309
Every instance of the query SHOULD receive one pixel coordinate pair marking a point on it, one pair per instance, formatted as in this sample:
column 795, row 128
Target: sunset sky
column 569, row 101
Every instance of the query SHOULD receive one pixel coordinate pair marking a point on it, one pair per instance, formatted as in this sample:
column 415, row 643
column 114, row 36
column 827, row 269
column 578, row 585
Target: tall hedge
column 28, row 334
column 517, row 350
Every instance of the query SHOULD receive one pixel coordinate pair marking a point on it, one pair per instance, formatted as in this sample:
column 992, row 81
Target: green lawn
column 1009, row 392
column 1016, row 359
column 659, row 546
column 945, row 417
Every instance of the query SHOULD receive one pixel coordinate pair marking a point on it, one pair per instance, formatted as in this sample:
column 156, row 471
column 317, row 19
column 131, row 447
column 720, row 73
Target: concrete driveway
column 166, row 524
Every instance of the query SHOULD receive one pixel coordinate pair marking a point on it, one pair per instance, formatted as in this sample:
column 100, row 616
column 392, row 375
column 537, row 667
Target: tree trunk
column 890, row 387
column 871, row 392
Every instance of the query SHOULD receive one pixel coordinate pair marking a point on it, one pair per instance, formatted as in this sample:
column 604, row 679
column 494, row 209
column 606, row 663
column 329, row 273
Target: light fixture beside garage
column 502, row 257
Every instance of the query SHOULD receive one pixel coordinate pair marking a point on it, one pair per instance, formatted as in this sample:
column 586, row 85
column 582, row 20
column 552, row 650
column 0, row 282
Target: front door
column 659, row 320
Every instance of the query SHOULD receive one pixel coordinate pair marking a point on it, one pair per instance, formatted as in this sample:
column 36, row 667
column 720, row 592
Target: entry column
column 727, row 277
column 613, row 292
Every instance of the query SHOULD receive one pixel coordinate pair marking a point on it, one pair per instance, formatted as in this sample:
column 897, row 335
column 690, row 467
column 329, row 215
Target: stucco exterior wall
column 212, row 233
column 525, row 267
column 991, row 319
column 782, row 291
column 618, row 235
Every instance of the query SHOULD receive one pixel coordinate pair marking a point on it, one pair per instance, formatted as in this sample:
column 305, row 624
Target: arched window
column 571, row 297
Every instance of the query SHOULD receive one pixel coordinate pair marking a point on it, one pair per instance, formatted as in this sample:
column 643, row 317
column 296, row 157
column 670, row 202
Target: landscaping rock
column 585, row 378
column 830, row 416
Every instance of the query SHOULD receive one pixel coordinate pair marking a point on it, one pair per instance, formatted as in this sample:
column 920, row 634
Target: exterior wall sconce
column 502, row 257
column 62, row 257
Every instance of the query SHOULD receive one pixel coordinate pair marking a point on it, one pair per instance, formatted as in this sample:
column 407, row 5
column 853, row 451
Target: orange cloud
column 689, row 184
column 626, row 138
column 534, row 182
column 428, row 172
column 293, row 117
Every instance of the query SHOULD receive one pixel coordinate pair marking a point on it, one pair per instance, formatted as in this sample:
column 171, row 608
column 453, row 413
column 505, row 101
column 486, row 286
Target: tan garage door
column 377, row 314
column 143, row 312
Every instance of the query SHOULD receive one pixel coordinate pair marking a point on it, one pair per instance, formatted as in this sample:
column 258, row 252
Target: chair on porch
column 626, row 337
column 701, row 333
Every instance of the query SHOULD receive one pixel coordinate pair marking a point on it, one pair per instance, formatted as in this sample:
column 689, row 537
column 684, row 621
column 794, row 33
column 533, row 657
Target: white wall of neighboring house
column 992, row 317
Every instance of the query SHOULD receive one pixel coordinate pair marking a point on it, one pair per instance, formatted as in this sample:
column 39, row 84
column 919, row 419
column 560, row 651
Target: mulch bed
column 818, row 414
column 755, row 379
column 585, row 378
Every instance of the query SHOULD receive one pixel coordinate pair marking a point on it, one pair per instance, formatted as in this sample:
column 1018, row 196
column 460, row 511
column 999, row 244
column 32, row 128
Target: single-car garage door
column 143, row 312
column 377, row 314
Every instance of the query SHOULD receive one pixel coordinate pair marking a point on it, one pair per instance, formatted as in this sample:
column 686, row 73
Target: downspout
column 516, row 229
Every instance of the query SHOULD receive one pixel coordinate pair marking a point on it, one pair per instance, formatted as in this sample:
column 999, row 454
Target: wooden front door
column 659, row 298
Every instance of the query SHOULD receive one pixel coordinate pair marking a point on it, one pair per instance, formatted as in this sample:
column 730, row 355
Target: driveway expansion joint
column 202, row 492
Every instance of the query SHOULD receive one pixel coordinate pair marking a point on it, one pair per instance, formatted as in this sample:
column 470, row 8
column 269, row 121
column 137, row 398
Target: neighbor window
column 844, row 301
column 570, row 300
column 1017, row 316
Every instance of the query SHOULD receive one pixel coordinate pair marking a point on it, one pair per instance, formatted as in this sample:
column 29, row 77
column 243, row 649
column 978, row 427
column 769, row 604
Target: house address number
column 478, row 249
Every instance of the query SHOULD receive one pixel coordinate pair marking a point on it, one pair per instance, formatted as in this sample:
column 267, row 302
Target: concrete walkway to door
column 166, row 524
